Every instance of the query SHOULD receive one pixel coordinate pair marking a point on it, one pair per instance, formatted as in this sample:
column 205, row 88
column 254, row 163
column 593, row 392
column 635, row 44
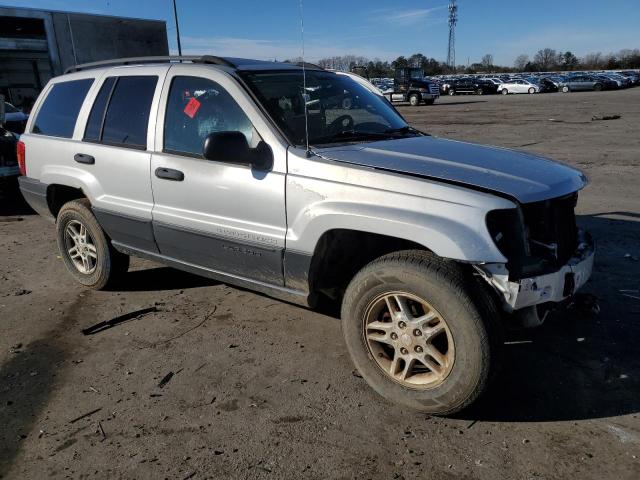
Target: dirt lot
column 263, row 389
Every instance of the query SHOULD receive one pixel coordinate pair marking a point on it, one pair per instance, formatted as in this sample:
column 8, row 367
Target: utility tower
column 453, row 20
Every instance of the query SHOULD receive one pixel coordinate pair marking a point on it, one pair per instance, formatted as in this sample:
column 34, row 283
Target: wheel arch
column 59, row 194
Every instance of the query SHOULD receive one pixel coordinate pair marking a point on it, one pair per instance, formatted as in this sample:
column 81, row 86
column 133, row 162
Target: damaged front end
column 548, row 257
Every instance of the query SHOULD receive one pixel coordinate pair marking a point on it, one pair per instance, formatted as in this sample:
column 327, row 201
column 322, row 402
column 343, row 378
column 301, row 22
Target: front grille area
column 551, row 227
column 539, row 238
column 434, row 89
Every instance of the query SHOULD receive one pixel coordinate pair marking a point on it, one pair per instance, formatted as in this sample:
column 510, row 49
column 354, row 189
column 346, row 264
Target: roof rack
column 309, row 65
column 208, row 59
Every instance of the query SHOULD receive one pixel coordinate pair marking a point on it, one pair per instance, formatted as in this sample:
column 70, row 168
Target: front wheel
column 597, row 87
column 505, row 91
column 532, row 90
column 85, row 249
column 414, row 100
column 421, row 332
column 430, row 101
column 452, row 92
column 565, row 89
column 480, row 91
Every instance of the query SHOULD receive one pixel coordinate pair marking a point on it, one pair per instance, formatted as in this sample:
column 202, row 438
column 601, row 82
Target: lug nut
column 404, row 351
column 394, row 336
column 418, row 349
column 417, row 332
column 402, row 324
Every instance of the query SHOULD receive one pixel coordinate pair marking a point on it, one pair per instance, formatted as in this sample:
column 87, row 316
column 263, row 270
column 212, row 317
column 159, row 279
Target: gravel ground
column 263, row 389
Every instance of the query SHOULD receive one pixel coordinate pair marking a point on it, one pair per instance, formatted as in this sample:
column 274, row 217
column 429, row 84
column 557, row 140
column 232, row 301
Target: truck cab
column 410, row 84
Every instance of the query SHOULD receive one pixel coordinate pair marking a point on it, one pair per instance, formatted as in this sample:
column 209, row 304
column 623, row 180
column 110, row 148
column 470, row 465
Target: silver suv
column 302, row 184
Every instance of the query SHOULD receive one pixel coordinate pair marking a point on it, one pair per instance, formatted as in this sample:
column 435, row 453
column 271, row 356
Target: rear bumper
column 35, row 193
column 552, row 287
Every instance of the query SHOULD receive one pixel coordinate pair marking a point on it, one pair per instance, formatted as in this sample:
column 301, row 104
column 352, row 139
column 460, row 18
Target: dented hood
column 523, row 176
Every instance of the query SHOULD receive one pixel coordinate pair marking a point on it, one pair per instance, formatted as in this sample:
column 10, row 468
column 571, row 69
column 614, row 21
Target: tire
column 471, row 331
column 452, row 92
column 531, row 90
column 597, row 87
column 101, row 265
column 430, row 101
column 505, row 91
column 480, row 91
column 566, row 89
column 414, row 100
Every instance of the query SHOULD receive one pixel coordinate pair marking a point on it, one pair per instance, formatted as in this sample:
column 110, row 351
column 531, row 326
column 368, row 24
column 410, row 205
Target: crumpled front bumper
column 552, row 287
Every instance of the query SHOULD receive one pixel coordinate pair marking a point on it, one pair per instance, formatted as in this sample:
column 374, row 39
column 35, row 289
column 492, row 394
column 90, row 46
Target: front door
column 225, row 217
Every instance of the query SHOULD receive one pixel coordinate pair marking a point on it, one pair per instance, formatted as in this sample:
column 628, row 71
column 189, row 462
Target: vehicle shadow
column 161, row 279
column 12, row 203
column 444, row 104
column 579, row 365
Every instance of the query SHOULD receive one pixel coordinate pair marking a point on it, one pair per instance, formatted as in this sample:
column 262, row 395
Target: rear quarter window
column 58, row 114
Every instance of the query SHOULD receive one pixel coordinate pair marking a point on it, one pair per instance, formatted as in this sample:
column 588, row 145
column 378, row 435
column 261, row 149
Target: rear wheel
column 85, row 249
column 421, row 333
column 452, row 92
column 414, row 100
column 565, row 89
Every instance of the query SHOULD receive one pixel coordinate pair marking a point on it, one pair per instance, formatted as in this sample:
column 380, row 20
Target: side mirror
column 226, row 147
column 232, row 147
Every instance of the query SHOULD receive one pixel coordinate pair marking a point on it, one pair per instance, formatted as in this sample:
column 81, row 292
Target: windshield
column 339, row 109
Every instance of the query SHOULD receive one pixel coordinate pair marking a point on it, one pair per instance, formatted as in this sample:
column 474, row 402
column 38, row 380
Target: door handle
column 84, row 158
column 169, row 174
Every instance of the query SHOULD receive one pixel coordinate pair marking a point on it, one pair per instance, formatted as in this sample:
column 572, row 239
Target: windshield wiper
column 404, row 130
column 355, row 135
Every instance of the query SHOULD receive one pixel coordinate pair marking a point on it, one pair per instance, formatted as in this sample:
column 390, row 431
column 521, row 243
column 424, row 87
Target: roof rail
column 309, row 65
column 208, row 59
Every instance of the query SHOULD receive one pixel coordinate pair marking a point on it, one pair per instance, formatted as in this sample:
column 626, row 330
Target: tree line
column 544, row 60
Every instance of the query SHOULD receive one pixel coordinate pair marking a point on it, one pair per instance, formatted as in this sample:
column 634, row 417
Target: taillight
column 21, row 153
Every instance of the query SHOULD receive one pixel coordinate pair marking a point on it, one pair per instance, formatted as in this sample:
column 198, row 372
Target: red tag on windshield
column 192, row 108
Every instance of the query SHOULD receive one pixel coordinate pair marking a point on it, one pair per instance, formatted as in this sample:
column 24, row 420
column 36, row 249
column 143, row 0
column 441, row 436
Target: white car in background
column 518, row 85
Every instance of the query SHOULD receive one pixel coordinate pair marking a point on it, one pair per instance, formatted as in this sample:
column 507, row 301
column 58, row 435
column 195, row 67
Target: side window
column 197, row 107
column 94, row 125
column 58, row 114
column 127, row 118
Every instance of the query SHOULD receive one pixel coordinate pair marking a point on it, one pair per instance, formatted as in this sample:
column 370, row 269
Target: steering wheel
column 343, row 122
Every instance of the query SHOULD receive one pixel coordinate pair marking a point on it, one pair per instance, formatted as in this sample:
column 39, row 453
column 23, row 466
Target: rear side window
column 127, row 101
column 58, row 114
column 94, row 125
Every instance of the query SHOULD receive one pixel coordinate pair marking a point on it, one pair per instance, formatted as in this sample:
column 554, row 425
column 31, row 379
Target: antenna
column 453, row 20
column 304, row 80
column 175, row 16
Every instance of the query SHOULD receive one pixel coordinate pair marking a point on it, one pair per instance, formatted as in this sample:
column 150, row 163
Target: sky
column 385, row 29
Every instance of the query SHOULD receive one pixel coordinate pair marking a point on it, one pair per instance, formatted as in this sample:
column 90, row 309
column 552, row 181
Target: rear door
column 225, row 217
column 115, row 150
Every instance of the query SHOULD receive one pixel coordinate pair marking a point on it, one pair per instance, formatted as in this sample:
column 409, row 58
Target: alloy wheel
column 80, row 247
column 409, row 340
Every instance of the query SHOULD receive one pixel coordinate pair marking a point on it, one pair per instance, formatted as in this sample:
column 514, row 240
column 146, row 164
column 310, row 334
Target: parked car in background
column 609, row 82
column 518, row 85
column 471, row 85
column 582, row 82
column 15, row 119
column 553, row 83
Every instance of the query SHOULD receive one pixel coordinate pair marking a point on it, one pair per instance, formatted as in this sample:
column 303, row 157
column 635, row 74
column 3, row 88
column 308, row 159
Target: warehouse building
column 36, row 45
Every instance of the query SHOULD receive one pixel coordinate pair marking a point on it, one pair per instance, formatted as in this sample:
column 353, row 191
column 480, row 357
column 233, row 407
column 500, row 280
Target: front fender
column 446, row 219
